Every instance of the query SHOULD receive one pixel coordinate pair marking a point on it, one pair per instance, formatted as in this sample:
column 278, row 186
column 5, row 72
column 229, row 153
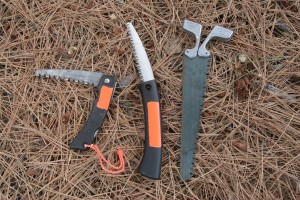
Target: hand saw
column 195, row 71
column 151, row 162
column 152, row 158
column 105, row 85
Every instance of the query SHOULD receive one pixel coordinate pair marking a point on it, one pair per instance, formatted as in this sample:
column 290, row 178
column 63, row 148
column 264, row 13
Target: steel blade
column 80, row 76
column 141, row 57
column 194, row 84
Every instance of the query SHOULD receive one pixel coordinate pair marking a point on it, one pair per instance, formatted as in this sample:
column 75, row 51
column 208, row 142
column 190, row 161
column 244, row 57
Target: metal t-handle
column 195, row 30
column 218, row 33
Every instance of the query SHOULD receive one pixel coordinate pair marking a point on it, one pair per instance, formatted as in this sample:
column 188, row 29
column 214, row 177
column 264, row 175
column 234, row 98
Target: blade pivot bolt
column 106, row 80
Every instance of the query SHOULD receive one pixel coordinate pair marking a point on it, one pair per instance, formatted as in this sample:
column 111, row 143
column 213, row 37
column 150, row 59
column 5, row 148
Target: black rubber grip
column 151, row 162
column 89, row 131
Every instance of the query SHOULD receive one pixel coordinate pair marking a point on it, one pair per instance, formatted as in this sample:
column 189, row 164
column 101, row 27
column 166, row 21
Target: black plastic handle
column 89, row 131
column 151, row 162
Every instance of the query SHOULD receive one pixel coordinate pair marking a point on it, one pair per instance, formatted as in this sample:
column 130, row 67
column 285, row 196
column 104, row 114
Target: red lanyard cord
column 118, row 169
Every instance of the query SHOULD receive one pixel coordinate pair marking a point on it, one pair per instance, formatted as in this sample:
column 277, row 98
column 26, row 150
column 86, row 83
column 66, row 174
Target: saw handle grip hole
column 148, row 87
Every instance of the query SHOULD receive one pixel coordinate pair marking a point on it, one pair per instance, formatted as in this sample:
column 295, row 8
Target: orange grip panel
column 104, row 97
column 154, row 126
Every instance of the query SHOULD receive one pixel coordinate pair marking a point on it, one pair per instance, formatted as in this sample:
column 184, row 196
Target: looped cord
column 118, row 169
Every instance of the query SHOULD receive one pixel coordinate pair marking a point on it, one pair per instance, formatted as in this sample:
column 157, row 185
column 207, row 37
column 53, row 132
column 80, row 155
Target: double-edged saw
column 195, row 71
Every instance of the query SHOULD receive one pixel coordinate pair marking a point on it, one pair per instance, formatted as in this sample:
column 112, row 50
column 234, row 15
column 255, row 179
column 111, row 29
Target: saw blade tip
column 130, row 29
column 129, row 25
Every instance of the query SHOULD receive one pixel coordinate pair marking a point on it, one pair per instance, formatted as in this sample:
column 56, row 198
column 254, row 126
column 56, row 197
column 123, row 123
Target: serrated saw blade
column 194, row 84
column 85, row 77
column 141, row 57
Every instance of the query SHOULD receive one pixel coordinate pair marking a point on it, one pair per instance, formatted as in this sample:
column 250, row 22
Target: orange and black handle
column 151, row 162
column 89, row 131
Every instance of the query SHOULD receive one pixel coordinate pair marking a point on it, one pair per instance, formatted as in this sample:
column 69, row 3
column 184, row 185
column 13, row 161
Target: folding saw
column 195, row 70
column 151, row 162
column 105, row 85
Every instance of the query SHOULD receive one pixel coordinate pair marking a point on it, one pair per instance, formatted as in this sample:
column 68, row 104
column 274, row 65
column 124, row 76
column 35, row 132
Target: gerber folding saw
column 195, row 72
column 151, row 162
column 105, row 86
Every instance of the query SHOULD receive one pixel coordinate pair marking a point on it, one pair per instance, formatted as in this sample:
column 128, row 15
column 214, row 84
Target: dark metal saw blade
column 80, row 76
column 194, row 83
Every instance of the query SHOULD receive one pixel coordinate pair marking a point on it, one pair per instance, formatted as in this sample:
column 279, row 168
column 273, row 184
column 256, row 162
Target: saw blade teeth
column 134, row 52
column 138, row 65
column 187, row 174
column 188, row 159
column 84, row 77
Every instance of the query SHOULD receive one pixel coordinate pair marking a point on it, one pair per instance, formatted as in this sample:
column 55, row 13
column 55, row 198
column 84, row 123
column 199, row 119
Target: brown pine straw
column 250, row 137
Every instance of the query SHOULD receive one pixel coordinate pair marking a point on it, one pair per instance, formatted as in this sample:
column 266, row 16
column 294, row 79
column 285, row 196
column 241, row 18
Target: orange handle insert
column 154, row 124
column 151, row 163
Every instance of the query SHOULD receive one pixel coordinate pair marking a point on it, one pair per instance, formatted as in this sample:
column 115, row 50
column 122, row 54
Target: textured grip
column 89, row 131
column 151, row 162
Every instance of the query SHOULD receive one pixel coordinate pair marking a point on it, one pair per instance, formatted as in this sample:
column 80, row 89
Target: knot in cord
column 118, row 169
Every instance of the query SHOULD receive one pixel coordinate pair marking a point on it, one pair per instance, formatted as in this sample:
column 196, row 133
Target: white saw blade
column 142, row 60
column 80, row 76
